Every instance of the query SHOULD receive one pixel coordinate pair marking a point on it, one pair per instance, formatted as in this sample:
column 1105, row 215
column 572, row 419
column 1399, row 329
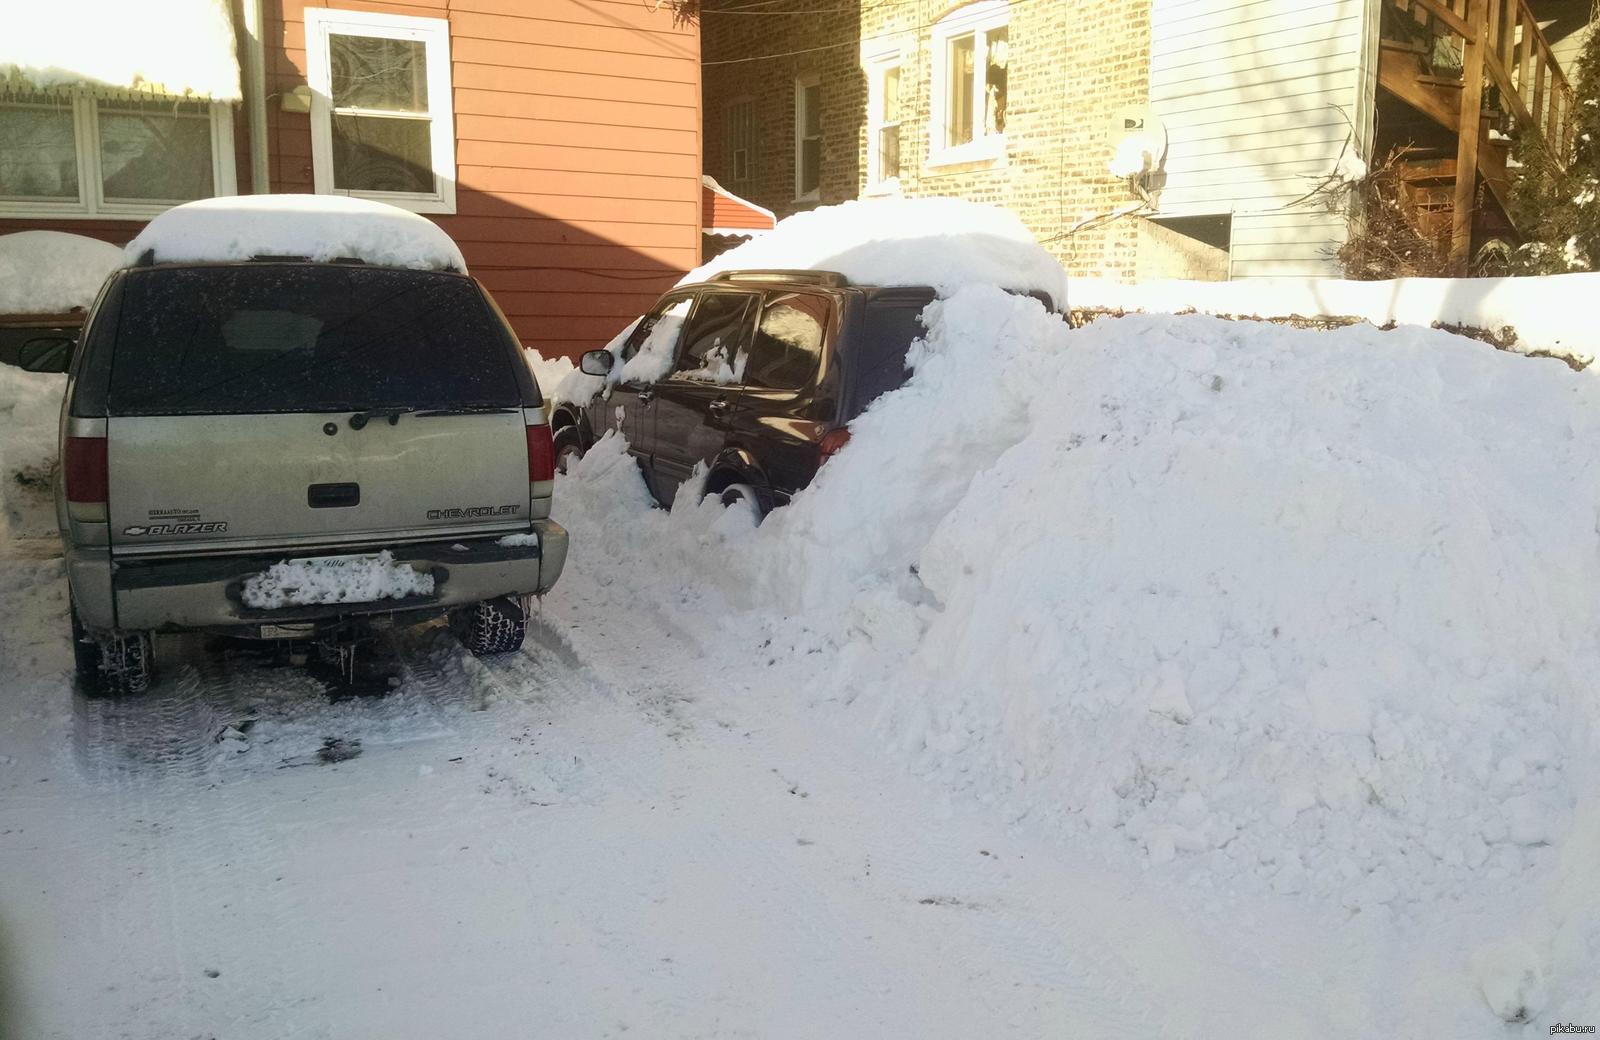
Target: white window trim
column 434, row 34
column 810, row 79
column 91, row 203
column 875, row 65
column 979, row 19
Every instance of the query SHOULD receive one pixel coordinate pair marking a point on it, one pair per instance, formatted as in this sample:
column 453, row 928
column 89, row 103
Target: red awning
column 724, row 213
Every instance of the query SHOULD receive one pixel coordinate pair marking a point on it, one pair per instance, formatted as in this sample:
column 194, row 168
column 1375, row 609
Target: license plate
column 336, row 561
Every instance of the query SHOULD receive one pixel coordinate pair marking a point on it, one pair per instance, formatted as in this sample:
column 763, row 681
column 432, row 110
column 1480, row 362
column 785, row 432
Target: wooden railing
column 1499, row 44
column 1515, row 58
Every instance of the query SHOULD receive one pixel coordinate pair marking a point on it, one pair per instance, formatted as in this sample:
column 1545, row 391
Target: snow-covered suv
column 302, row 446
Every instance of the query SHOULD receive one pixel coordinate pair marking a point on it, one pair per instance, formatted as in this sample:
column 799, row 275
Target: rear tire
column 746, row 497
column 112, row 665
column 569, row 448
column 495, row 626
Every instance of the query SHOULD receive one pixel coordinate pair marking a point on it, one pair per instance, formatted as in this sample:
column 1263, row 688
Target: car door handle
column 333, row 496
column 719, row 407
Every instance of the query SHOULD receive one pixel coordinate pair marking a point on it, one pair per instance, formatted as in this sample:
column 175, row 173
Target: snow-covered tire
column 495, row 626
column 569, row 447
column 113, row 665
column 746, row 497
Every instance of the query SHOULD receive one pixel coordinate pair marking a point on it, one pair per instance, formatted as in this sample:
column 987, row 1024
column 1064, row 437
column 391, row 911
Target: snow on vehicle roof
column 51, row 272
column 942, row 243
column 318, row 227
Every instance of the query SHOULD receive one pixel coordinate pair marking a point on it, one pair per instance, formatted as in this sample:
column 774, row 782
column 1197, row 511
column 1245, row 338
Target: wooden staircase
column 1482, row 71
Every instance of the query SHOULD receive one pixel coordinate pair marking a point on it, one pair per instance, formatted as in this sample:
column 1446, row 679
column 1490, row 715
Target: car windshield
column 302, row 337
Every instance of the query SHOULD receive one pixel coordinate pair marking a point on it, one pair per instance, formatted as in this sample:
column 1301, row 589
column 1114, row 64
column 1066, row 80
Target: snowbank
column 353, row 579
column 1304, row 613
column 176, row 47
column 30, row 404
column 1548, row 314
column 50, row 272
column 321, row 227
column 943, row 243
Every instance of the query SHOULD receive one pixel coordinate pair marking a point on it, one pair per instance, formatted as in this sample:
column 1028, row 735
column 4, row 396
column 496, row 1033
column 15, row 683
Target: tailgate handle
column 333, row 496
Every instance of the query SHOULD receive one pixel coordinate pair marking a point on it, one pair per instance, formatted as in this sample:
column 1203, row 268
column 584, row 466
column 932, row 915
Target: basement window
column 969, row 96
column 74, row 155
column 381, row 120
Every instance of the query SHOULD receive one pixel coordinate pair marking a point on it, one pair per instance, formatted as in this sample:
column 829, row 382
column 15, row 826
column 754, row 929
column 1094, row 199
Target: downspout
column 255, row 72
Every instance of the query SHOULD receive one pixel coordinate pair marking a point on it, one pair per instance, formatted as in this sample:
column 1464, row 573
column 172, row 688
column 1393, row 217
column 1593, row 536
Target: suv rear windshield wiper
column 466, row 409
column 360, row 419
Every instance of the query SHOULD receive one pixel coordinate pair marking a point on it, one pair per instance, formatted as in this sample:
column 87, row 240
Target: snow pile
column 346, row 579
column 50, row 272
column 1316, row 611
column 1544, row 313
column 548, row 373
column 942, row 243
column 30, row 405
column 319, row 227
column 176, row 47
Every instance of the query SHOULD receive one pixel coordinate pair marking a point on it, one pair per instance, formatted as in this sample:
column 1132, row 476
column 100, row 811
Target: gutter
column 255, row 91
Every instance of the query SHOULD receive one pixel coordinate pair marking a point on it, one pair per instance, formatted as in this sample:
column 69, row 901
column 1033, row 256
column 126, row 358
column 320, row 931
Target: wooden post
column 1508, row 48
column 1538, row 90
column 1467, row 135
column 1525, row 67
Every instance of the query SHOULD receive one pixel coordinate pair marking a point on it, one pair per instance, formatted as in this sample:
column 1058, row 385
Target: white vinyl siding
column 1258, row 99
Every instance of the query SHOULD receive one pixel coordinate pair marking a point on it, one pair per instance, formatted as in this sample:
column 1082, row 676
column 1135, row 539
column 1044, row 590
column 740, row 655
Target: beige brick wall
column 1072, row 65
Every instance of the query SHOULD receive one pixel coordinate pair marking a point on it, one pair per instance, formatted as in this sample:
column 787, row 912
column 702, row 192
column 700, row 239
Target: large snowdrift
column 1548, row 315
column 319, row 227
column 51, row 272
column 1304, row 614
column 177, row 47
column 943, row 243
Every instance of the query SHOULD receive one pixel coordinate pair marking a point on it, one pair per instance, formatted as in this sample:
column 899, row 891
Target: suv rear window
column 305, row 338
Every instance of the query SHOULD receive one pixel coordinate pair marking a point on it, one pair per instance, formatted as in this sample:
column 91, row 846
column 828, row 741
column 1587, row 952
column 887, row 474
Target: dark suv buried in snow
column 767, row 370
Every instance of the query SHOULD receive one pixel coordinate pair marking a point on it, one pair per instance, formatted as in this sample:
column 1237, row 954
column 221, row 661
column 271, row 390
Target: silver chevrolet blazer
column 282, row 449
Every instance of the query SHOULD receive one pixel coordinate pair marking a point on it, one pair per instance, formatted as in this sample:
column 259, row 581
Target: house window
column 807, row 138
column 969, row 84
column 741, row 134
column 883, row 123
column 71, row 155
column 381, row 120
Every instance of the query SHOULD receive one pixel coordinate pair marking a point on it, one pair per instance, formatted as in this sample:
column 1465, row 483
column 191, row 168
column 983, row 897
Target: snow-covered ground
column 1170, row 677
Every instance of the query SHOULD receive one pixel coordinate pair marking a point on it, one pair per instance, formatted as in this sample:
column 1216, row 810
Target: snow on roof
column 51, row 272
column 168, row 47
column 724, row 213
column 318, row 227
column 943, row 243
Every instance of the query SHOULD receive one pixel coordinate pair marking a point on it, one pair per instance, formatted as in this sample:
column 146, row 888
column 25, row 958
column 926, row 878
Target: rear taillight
column 85, row 469
column 833, row 442
column 541, row 455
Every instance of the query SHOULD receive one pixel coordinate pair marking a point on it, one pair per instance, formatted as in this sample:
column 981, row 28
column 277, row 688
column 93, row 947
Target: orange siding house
column 558, row 141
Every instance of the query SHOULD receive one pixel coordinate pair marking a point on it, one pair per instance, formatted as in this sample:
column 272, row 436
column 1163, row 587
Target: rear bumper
column 201, row 592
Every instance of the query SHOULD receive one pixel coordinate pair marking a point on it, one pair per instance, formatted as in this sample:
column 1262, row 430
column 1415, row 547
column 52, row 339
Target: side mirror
column 46, row 354
column 597, row 362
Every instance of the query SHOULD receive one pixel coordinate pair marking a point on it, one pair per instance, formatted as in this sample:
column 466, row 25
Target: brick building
column 1219, row 117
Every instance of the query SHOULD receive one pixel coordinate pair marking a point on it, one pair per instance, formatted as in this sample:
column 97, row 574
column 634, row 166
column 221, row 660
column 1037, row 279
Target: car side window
column 716, row 344
column 788, row 341
column 648, row 353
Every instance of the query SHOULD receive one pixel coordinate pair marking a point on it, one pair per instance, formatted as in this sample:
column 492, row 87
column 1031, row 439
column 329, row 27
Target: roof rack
column 832, row 279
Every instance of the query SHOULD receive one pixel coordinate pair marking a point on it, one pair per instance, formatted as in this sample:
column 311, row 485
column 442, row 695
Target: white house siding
column 1259, row 98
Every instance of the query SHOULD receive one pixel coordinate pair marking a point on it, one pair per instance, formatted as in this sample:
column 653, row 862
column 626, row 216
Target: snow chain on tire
column 495, row 626
column 125, row 665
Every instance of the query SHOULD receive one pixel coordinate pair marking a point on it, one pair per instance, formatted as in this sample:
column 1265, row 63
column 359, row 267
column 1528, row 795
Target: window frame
column 977, row 20
column 741, row 136
column 434, row 35
column 91, row 202
column 877, row 66
column 801, row 84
